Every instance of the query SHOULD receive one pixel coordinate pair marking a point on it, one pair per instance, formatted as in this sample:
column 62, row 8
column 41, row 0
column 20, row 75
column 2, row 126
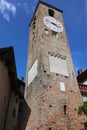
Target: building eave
column 82, row 77
column 83, row 89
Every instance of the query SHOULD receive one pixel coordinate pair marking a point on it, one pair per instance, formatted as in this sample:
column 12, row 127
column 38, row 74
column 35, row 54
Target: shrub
column 83, row 108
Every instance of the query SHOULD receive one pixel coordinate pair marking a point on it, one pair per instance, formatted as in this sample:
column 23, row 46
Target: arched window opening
column 46, row 31
column 51, row 12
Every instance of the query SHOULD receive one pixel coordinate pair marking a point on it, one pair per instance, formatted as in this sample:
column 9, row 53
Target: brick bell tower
column 52, row 91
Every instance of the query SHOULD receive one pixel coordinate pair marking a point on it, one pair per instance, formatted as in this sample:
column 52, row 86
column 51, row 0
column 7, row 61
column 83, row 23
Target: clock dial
column 53, row 24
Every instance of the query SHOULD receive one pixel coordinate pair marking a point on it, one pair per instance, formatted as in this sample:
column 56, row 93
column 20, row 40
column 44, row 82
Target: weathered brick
column 44, row 91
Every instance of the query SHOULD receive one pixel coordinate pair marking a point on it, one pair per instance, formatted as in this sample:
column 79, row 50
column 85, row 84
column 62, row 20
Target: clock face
column 53, row 24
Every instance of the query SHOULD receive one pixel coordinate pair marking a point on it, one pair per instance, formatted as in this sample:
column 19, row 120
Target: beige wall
column 4, row 93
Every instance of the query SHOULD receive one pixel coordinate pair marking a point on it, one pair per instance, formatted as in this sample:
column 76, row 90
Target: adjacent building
column 11, row 90
column 82, row 82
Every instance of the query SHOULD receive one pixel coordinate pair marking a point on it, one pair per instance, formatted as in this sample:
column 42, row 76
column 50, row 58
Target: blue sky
column 15, row 16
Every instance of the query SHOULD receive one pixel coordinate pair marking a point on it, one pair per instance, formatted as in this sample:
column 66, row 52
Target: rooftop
column 7, row 56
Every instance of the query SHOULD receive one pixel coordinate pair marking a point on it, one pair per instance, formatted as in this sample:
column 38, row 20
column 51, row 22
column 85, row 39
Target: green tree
column 83, row 108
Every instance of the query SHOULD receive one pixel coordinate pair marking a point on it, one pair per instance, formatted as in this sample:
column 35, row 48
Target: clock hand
column 55, row 25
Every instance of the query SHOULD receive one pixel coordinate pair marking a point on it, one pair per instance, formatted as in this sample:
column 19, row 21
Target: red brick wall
column 43, row 96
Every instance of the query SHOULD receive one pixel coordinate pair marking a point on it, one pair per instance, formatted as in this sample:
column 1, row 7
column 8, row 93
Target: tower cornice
column 44, row 3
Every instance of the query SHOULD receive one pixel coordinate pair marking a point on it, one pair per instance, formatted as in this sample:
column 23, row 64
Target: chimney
column 80, row 71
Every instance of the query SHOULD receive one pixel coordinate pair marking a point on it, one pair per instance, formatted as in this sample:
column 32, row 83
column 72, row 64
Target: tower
column 52, row 91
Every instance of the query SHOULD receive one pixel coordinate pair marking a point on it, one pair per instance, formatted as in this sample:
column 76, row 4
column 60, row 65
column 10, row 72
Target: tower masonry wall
column 53, row 98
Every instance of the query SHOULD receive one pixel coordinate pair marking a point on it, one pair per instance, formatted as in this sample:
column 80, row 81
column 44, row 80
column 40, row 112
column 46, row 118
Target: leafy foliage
column 83, row 108
column 85, row 128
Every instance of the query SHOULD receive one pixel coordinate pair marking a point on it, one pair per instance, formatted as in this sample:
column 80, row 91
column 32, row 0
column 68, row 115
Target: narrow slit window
column 64, row 109
column 14, row 113
column 51, row 12
column 34, row 23
column 35, row 18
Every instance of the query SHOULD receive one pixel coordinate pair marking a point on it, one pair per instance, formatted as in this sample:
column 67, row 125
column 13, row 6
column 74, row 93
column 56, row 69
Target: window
column 54, row 34
column 85, row 126
column 58, row 65
column 20, row 107
column 46, row 31
column 51, row 12
column 62, row 86
column 84, row 98
column 64, row 109
column 34, row 23
column 35, row 18
column 16, row 100
column 14, row 113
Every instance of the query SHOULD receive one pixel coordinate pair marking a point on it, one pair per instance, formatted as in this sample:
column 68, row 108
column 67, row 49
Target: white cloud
column 6, row 8
column 6, row 17
column 24, row 6
column 28, row 7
